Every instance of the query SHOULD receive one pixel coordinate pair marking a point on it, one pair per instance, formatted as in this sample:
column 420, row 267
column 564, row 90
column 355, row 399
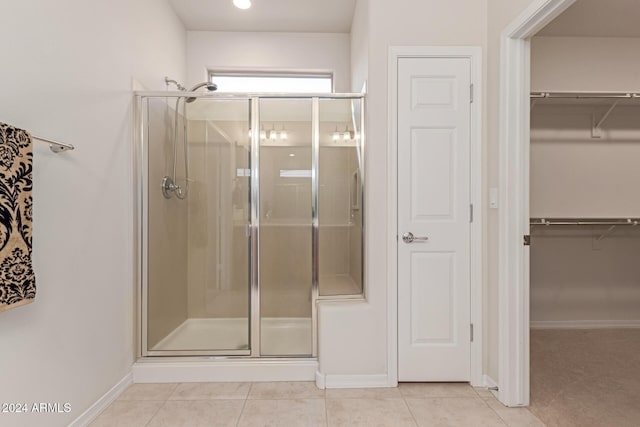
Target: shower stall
column 249, row 211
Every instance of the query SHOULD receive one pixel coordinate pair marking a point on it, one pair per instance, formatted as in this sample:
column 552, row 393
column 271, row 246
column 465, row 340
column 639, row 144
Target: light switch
column 493, row 198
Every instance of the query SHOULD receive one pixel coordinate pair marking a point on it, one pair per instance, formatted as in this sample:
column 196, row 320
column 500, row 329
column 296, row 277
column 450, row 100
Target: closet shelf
column 585, row 95
column 585, row 221
column 611, row 223
column 610, row 100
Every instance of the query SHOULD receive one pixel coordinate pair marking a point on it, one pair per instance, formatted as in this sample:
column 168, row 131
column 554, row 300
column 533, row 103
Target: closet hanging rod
column 585, row 95
column 55, row 146
column 585, row 221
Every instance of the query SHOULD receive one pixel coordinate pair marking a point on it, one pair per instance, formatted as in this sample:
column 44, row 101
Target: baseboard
column 351, row 381
column 584, row 324
column 321, row 381
column 224, row 371
column 101, row 404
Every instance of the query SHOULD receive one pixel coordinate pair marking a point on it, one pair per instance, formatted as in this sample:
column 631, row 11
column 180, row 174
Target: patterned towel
column 17, row 280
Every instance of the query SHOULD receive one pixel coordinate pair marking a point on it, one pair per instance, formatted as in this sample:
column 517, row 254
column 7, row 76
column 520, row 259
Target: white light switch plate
column 493, row 198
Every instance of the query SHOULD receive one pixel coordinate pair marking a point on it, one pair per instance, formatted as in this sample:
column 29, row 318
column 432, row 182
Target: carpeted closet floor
column 586, row 377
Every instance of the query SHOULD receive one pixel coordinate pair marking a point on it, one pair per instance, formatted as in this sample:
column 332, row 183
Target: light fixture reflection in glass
column 292, row 155
column 347, row 134
column 242, row 4
column 283, row 134
column 336, row 134
column 273, row 134
column 263, row 134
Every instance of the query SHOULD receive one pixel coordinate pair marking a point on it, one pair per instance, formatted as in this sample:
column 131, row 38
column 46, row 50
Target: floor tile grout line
column 326, row 409
column 496, row 412
column 413, row 417
column 155, row 413
column 175, row 388
column 244, row 404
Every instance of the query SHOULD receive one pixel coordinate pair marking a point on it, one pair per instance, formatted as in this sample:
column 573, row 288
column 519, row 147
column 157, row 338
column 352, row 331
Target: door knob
column 408, row 237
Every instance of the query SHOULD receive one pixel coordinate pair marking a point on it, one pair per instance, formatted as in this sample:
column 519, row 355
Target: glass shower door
column 198, row 272
column 286, row 227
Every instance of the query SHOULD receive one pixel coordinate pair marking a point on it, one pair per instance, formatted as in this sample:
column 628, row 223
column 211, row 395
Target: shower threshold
column 280, row 336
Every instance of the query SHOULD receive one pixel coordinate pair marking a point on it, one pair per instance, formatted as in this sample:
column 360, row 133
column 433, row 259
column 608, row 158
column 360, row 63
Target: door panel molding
column 474, row 54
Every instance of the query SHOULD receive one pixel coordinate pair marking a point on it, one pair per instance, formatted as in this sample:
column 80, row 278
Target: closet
column 585, row 209
column 585, row 230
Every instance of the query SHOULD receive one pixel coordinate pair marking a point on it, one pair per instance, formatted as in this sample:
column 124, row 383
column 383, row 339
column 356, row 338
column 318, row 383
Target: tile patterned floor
column 291, row 404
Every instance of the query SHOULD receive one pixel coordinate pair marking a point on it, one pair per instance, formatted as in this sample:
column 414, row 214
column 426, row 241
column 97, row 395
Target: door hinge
column 471, row 93
column 527, row 240
column 471, row 212
column 471, row 332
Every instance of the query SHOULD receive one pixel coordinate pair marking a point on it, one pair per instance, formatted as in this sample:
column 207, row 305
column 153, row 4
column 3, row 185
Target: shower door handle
column 408, row 237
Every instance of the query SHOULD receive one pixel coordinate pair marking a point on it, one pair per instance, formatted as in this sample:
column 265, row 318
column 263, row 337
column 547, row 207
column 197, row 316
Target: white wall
column 67, row 74
column 360, row 45
column 585, row 64
column 576, row 277
column 211, row 50
column 574, row 175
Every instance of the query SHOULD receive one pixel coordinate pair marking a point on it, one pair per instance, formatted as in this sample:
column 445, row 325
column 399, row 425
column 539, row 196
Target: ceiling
column 311, row 16
column 597, row 18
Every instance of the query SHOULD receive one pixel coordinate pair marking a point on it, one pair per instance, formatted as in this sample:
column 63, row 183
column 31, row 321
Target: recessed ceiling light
column 242, row 4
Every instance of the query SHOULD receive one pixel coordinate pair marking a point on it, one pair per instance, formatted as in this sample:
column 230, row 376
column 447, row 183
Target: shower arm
column 168, row 81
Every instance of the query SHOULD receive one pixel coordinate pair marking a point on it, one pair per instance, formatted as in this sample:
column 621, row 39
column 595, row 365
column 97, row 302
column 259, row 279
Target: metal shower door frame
column 141, row 223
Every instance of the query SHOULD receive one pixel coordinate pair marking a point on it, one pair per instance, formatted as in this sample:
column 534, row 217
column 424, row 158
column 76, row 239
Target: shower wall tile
column 340, row 235
column 334, row 249
column 167, row 243
column 218, row 284
column 335, row 177
column 218, row 254
column 201, row 268
column 285, row 276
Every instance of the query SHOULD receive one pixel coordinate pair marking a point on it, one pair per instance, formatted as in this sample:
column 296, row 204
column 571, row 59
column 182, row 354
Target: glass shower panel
column 340, row 198
column 199, row 252
column 285, row 227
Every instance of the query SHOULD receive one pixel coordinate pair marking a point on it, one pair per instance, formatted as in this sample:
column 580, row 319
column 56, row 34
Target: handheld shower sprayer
column 169, row 183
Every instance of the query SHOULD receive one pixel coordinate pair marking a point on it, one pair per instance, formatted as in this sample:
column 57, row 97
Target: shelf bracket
column 606, row 233
column 596, row 129
column 630, row 222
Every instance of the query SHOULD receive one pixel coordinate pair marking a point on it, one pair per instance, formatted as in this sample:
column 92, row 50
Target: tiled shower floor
column 279, row 336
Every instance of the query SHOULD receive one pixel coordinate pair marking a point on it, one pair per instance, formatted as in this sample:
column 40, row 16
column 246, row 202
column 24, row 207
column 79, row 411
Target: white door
column 434, row 117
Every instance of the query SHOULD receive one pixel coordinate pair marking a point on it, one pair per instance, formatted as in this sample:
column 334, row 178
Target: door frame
column 474, row 54
column 513, row 256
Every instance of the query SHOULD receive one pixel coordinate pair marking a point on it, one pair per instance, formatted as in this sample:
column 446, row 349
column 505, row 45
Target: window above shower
column 268, row 82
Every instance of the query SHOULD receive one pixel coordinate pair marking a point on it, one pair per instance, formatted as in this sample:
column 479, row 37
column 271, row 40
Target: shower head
column 211, row 87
